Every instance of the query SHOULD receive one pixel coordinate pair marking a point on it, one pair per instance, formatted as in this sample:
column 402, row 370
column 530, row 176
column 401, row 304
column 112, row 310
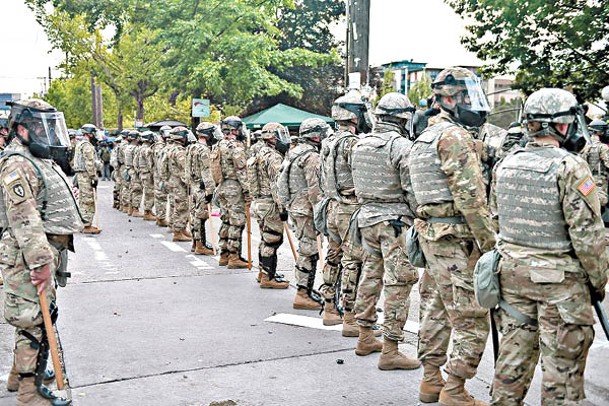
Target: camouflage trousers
column 135, row 189
column 147, row 190
column 179, row 215
column 86, row 197
column 161, row 199
column 125, row 190
column 232, row 203
column 448, row 304
column 271, row 227
column 21, row 303
column 343, row 253
column 116, row 176
column 198, row 212
column 386, row 268
column 563, row 336
column 308, row 255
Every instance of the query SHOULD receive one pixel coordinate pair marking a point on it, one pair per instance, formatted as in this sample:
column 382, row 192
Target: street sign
column 200, row 108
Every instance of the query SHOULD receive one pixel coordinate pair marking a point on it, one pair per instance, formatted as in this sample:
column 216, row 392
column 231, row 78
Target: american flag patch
column 586, row 186
column 11, row 177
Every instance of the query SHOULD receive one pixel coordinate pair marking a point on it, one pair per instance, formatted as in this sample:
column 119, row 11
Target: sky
column 422, row 30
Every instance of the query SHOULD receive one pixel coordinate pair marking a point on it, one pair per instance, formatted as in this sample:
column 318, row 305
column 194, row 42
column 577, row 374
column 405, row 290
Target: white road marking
column 100, row 256
column 173, row 246
column 196, row 262
column 157, row 236
column 317, row 323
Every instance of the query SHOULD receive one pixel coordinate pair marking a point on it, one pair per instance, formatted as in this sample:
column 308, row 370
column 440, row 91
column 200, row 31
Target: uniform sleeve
column 89, row 154
column 401, row 159
column 581, row 208
column 206, row 171
column 461, row 164
column 181, row 164
column 240, row 162
column 311, row 170
column 274, row 167
column 19, row 189
column 492, row 199
column 604, row 155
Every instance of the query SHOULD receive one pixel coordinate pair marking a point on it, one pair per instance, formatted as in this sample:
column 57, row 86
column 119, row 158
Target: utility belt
column 447, row 220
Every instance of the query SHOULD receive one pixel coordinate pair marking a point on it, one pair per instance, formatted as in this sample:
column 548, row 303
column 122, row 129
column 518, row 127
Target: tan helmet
column 313, row 127
column 549, row 105
column 179, row 133
column 348, row 106
column 270, row 130
column 451, row 81
column 23, row 111
column 396, row 105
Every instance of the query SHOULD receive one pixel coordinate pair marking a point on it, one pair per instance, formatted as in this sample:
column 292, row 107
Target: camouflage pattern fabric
column 163, row 196
column 232, row 194
column 385, row 268
column 179, row 187
column 145, row 161
column 308, row 255
column 127, row 172
column 135, row 183
column 197, row 170
column 86, row 199
column 551, row 288
column 597, row 157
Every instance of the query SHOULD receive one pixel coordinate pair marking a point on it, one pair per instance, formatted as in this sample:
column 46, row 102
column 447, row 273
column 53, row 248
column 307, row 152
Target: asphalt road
column 145, row 322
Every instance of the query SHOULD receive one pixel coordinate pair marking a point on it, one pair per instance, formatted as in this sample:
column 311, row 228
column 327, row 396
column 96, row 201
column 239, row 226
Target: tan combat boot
column 367, row 344
column 91, row 230
column 236, row 262
column 271, row 283
column 303, row 301
column 259, row 276
column 201, row 249
column 193, row 246
column 431, row 385
column 454, row 394
column 350, row 327
column 187, row 233
column 12, row 384
column 135, row 212
column 223, row 261
column 161, row 222
column 28, row 394
column 179, row 236
column 148, row 216
column 392, row 358
column 330, row 315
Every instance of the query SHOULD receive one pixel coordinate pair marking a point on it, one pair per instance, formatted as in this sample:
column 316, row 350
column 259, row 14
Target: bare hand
column 75, row 191
column 40, row 276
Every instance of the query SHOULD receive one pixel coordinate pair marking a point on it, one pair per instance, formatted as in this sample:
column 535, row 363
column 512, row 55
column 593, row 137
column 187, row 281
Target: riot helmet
column 313, row 130
column 352, row 108
column 133, row 135
column 232, row 126
column 598, row 128
column 179, row 134
column 164, row 131
column 470, row 106
column 147, row 136
column 90, row 131
column 277, row 135
column 397, row 109
column 551, row 106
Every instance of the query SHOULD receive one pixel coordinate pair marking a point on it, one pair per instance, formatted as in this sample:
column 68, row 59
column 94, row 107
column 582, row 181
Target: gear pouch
column 413, row 248
column 486, row 280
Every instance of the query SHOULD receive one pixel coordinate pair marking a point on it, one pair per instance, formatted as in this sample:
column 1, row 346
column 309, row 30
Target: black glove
column 94, row 183
column 208, row 198
column 283, row 215
column 397, row 225
column 597, row 294
column 202, row 185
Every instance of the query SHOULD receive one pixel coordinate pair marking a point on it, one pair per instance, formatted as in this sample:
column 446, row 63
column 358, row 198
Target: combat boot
column 454, row 394
column 392, row 358
column 180, row 236
column 12, row 384
column 124, row 208
column 236, row 262
column 431, row 385
column 91, row 230
column 223, row 261
column 187, row 233
column 350, row 327
column 367, row 344
column 201, row 249
column 161, row 222
column 28, row 395
column 304, row 301
column 330, row 314
column 148, row 216
column 268, row 282
column 135, row 212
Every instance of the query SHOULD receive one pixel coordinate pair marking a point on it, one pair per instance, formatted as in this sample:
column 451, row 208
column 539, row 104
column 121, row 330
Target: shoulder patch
column 11, row 177
column 586, row 187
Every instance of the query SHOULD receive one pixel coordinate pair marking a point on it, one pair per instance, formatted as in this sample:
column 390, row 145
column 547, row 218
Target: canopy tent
column 280, row 113
column 155, row 126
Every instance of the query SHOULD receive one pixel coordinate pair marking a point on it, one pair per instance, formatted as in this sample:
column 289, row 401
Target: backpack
column 215, row 164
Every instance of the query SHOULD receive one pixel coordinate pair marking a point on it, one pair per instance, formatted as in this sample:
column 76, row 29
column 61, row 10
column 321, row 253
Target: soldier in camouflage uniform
column 127, row 153
column 176, row 159
column 337, row 187
column 145, row 163
column 135, row 182
column 302, row 167
column 86, row 175
column 453, row 223
column 120, row 173
column 551, row 241
column 115, row 171
column 380, row 175
column 233, row 194
column 201, row 184
column 39, row 215
column 597, row 156
column 161, row 190
column 262, row 168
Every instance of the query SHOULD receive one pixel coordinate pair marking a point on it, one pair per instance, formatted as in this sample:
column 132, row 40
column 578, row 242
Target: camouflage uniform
column 39, row 215
column 135, row 182
column 145, row 164
column 453, row 223
column 551, row 240
column 86, row 174
column 127, row 157
column 178, row 182
column 597, row 157
column 115, row 173
column 232, row 194
column 164, row 184
column 160, row 197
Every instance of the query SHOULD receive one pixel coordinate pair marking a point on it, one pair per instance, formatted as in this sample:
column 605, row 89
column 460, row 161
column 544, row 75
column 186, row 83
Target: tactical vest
column 337, row 181
column 174, row 168
column 79, row 157
column 164, row 172
column 129, row 151
column 55, row 202
column 528, row 200
column 297, row 181
column 429, row 182
column 142, row 158
column 375, row 178
column 257, row 171
column 227, row 149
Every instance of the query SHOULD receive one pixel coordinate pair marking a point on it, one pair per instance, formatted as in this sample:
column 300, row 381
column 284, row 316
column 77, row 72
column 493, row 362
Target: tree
column 561, row 43
column 421, row 90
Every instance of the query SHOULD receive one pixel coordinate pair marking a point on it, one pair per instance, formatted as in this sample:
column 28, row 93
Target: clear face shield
column 577, row 135
column 472, row 105
column 282, row 138
column 48, row 129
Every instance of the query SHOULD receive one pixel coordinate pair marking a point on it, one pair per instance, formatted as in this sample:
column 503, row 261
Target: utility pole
column 96, row 103
column 358, row 38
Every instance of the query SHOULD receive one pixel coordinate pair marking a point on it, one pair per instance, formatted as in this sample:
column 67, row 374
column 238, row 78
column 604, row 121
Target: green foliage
column 421, row 90
column 73, row 97
column 505, row 113
column 547, row 43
